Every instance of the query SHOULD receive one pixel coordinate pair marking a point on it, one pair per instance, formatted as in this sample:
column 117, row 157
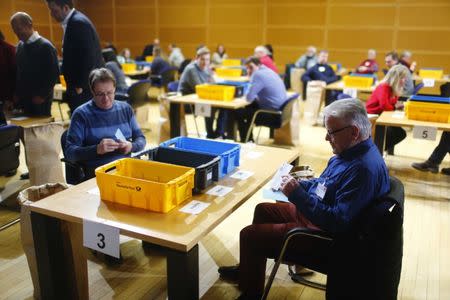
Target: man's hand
column 399, row 105
column 78, row 90
column 288, row 185
column 125, row 147
column 106, row 146
column 37, row 100
column 362, row 69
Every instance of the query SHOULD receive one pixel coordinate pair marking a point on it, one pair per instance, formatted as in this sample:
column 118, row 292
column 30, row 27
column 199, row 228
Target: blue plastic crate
column 229, row 152
column 434, row 99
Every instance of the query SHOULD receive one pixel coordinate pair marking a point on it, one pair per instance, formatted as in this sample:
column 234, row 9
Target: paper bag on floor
column 42, row 150
column 313, row 101
column 164, row 121
column 289, row 134
column 296, row 80
column 25, row 198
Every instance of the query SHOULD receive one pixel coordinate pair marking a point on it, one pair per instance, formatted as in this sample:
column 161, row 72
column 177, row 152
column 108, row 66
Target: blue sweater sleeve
column 350, row 198
column 75, row 148
column 256, row 85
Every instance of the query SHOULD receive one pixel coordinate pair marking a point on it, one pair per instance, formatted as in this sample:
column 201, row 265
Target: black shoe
column 230, row 273
column 11, row 173
column 390, row 151
column 445, row 171
column 25, row 176
column 425, row 166
column 245, row 296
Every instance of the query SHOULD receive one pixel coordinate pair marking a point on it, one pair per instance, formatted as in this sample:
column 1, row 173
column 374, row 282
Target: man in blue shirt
column 266, row 91
column 322, row 71
column 102, row 130
column 354, row 177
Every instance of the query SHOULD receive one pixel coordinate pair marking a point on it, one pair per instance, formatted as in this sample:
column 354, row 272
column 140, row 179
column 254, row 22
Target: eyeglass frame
column 109, row 94
column 332, row 133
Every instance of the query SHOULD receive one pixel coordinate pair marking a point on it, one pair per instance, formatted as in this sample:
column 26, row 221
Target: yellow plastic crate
column 149, row 58
column 426, row 111
column 215, row 92
column 228, row 72
column 335, row 67
column 231, row 62
column 145, row 184
column 358, row 81
column 431, row 73
column 129, row 67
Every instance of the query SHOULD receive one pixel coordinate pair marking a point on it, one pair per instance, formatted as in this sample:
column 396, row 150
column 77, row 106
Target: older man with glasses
column 355, row 176
column 102, row 129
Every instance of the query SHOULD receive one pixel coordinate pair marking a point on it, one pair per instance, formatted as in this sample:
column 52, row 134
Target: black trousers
column 394, row 135
column 441, row 150
column 244, row 117
column 74, row 100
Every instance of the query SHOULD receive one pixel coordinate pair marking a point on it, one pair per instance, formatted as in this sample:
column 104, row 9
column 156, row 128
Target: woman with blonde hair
column 385, row 97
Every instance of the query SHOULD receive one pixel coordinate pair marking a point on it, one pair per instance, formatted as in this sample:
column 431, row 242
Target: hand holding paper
column 277, row 179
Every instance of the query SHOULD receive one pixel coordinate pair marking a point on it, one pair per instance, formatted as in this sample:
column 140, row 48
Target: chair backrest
column 168, row 76
column 286, row 109
column 173, row 86
column 183, row 65
column 417, row 88
column 9, row 148
column 137, row 92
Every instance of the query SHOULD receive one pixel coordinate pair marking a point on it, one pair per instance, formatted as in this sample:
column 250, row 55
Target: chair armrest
column 71, row 163
column 268, row 111
column 154, row 76
column 301, row 231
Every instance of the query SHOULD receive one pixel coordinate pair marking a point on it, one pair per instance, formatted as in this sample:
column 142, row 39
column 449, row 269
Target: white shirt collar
column 33, row 38
column 67, row 18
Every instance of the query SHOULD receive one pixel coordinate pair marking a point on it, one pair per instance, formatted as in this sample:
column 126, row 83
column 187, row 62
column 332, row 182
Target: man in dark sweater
column 7, row 70
column 322, row 71
column 82, row 52
column 37, row 67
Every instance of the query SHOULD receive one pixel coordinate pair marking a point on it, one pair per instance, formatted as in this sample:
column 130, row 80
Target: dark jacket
column 7, row 71
column 321, row 72
column 81, row 51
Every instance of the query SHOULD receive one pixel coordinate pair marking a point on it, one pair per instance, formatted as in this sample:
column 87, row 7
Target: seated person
column 125, row 57
column 307, row 60
column 354, row 177
column 407, row 61
column 369, row 66
column 391, row 59
column 322, row 71
column 112, row 64
column 270, row 49
column 198, row 72
column 219, row 55
column 148, row 50
column 435, row 159
column 159, row 65
column 263, row 53
column 92, row 138
column 266, row 91
column 176, row 57
column 385, row 97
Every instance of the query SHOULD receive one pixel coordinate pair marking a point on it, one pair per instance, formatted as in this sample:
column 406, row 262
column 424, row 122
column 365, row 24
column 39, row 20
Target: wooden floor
column 142, row 275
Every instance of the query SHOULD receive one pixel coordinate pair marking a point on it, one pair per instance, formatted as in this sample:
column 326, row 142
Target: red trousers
column 263, row 239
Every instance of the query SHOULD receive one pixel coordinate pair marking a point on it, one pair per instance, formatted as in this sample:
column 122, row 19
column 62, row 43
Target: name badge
column 321, row 69
column 321, row 189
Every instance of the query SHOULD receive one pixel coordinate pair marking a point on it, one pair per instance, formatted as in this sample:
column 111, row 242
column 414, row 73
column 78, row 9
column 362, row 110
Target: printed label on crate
column 194, row 207
column 209, row 176
column 424, row 133
column 219, row 190
column 428, row 82
column 203, row 110
column 101, row 237
column 242, row 175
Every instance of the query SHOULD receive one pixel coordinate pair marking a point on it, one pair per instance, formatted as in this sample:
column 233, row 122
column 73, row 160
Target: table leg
column 380, row 137
column 174, row 116
column 61, row 265
column 182, row 274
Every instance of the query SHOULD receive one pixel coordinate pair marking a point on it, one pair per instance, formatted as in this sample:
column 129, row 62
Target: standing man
column 81, row 50
column 37, row 67
column 7, row 71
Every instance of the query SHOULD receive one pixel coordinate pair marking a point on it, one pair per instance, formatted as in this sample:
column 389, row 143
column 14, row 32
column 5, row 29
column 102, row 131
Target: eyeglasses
column 109, row 94
column 330, row 133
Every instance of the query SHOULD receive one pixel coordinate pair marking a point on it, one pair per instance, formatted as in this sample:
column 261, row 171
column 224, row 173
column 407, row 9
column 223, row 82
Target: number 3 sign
column 101, row 237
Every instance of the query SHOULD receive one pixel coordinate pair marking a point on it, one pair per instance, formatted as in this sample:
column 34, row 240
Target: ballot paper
column 241, row 174
column 219, row 190
column 275, row 184
column 119, row 135
column 194, row 207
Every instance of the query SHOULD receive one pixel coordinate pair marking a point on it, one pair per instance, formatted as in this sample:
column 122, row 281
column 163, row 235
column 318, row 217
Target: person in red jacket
column 262, row 53
column 7, row 70
column 384, row 98
column 369, row 66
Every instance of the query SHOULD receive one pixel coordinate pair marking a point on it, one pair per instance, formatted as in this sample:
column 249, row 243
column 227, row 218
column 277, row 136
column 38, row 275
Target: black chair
column 138, row 92
column 9, row 149
column 273, row 119
column 75, row 172
column 363, row 263
column 162, row 80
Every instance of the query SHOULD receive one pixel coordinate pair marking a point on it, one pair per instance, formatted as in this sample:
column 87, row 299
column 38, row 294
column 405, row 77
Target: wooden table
column 444, row 79
column 396, row 119
column 228, row 78
column 31, row 121
column 57, row 226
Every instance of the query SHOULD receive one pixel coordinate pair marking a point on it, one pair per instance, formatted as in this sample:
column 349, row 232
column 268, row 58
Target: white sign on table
column 203, row 110
column 102, row 238
column 194, row 207
column 425, row 133
column 219, row 190
column 428, row 82
column 241, row 174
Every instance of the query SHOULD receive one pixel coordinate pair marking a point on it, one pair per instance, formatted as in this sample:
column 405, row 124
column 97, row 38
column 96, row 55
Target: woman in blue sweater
column 102, row 130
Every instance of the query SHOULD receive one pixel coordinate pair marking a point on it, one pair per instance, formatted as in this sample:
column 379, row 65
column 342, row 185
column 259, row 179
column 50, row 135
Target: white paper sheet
column 194, row 207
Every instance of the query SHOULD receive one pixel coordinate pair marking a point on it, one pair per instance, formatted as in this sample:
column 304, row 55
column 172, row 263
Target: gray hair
column 100, row 75
column 351, row 111
column 262, row 49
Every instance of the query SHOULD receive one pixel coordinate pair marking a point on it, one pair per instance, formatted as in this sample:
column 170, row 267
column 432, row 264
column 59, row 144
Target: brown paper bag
column 25, row 198
column 289, row 134
column 164, row 121
column 313, row 101
column 42, row 150
column 296, row 81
